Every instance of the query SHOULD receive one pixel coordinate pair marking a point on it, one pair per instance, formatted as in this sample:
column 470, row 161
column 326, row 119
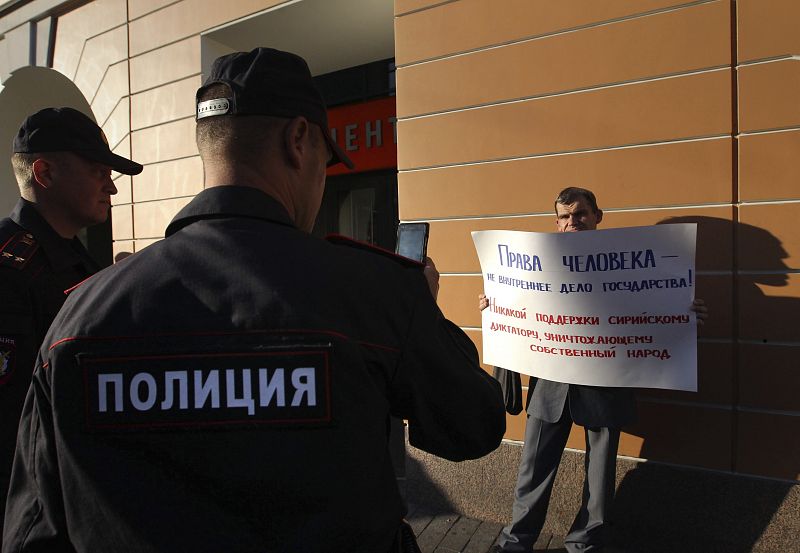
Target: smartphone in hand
column 412, row 240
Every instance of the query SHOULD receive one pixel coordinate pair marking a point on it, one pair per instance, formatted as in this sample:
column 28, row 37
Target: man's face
column 577, row 216
column 81, row 188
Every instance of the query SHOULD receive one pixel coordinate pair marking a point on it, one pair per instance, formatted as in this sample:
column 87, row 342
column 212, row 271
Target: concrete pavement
column 453, row 533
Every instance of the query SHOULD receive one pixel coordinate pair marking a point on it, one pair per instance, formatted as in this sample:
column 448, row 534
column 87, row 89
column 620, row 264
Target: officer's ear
column 297, row 141
column 599, row 214
column 42, row 171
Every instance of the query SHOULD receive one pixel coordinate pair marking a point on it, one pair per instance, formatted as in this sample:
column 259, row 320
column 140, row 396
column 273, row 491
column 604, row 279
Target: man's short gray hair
column 572, row 194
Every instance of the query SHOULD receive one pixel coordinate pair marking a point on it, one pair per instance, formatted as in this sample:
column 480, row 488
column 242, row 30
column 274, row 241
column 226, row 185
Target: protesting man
column 63, row 164
column 552, row 407
column 229, row 388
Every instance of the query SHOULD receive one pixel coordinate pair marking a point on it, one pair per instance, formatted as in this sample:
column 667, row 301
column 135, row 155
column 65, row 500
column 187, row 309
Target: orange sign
column 367, row 133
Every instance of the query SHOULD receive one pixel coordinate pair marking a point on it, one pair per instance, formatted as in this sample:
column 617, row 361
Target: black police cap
column 266, row 81
column 69, row 130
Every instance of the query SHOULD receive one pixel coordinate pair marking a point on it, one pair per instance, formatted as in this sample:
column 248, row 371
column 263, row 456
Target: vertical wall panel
column 769, row 167
column 769, row 237
column 164, row 142
column 769, row 375
column 124, row 187
column 169, row 179
column 768, row 95
column 122, row 221
column 767, row 444
column 165, row 103
column 153, row 217
column 166, row 65
column 767, row 28
column 768, row 307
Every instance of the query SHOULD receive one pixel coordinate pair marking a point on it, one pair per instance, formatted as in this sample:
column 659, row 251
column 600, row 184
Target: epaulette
column 18, row 250
column 340, row 240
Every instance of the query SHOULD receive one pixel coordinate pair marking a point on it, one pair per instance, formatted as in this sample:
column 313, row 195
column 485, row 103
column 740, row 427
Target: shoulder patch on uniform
column 8, row 349
column 340, row 240
column 18, row 250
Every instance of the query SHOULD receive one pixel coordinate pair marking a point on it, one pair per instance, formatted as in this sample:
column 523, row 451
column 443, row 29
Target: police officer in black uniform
column 230, row 387
column 63, row 165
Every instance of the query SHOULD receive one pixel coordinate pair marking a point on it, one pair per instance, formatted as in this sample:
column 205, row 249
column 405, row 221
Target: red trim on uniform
column 231, row 333
column 3, row 247
column 334, row 238
column 338, row 238
column 86, row 394
column 248, row 422
column 190, row 355
column 328, row 385
column 377, row 346
column 71, row 288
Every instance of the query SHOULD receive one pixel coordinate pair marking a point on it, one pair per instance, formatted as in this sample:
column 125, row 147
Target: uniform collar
column 60, row 252
column 230, row 201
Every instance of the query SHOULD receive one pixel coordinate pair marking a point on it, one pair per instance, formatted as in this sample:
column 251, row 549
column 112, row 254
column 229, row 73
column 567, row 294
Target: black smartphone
column 412, row 240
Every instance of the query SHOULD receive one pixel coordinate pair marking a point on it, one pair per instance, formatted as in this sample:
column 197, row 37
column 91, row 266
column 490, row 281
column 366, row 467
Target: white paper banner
column 603, row 307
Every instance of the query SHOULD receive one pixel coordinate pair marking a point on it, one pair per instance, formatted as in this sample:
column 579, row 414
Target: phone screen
column 412, row 240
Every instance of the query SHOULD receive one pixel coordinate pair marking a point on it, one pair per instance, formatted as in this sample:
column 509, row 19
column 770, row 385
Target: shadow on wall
column 664, row 509
column 747, row 372
column 422, row 493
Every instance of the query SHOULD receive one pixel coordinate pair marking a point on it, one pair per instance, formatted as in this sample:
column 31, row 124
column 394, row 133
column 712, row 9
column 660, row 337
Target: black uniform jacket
column 229, row 389
column 36, row 267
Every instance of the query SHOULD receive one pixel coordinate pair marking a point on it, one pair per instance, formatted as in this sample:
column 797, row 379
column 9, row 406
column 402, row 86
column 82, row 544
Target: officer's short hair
column 22, row 164
column 239, row 138
column 572, row 194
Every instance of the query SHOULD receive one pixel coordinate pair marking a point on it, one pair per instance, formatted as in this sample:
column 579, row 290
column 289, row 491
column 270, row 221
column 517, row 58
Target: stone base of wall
column 658, row 508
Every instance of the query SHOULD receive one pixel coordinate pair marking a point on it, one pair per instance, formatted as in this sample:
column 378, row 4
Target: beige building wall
column 668, row 110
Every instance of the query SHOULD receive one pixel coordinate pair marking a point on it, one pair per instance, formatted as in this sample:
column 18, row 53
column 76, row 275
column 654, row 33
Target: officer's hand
column 483, row 302
column 700, row 310
column 432, row 276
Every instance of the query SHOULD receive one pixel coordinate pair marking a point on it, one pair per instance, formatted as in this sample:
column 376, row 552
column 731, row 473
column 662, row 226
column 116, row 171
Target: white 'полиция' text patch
column 283, row 388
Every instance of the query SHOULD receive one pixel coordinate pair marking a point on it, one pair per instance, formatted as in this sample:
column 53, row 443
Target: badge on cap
column 218, row 106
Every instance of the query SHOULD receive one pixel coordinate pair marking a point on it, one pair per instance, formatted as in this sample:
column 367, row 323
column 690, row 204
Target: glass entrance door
column 362, row 206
